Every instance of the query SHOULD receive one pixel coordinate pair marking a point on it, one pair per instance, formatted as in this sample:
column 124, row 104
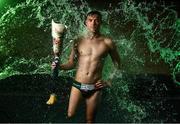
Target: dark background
column 27, row 94
column 100, row 4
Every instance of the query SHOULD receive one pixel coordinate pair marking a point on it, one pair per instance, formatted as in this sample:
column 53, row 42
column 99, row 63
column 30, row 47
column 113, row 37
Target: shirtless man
column 90, row 51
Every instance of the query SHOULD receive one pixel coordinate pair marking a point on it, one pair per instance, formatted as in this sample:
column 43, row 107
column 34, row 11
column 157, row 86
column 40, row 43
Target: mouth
column 94, row 28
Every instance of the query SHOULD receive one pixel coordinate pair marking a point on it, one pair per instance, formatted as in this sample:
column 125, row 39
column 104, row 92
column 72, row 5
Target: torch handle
column 58, row 30
column 55, row 70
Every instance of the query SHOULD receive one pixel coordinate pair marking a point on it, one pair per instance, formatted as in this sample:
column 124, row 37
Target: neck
column 92, row 35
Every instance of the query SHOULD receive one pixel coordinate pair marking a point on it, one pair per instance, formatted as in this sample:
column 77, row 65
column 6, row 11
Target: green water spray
column 145, row 37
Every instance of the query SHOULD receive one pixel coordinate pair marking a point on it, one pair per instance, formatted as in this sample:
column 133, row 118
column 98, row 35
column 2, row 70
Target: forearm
column 118, row 64
column 67, row 66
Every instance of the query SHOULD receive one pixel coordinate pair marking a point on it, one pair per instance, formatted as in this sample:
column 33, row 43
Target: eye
column 97, row 21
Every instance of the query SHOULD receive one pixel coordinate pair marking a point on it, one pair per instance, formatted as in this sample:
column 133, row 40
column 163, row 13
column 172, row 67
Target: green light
column 2, row 4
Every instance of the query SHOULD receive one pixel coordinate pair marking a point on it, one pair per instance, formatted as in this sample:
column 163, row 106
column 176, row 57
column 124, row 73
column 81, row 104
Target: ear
column 85, row 22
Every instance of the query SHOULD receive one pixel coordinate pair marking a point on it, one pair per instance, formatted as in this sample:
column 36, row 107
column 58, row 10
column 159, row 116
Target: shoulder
column 76, row 40
column 109, row 42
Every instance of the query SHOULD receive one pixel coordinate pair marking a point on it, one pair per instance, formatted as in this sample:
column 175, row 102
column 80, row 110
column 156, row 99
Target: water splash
column 146, row 38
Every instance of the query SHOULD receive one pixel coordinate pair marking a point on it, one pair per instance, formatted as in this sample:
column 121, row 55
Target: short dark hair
column 94, row 12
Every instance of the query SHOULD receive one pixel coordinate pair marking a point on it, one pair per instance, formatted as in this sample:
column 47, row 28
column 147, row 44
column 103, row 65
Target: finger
column 99, row 86
column 53, row 65
column 98, row 83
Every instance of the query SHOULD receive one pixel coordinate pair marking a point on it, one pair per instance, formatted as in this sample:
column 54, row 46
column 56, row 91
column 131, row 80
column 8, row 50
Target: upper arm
column 73, row 53
column 113, row 52
column 71, row 57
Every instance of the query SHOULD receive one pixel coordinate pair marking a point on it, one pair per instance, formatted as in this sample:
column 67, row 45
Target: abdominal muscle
column 88, row 71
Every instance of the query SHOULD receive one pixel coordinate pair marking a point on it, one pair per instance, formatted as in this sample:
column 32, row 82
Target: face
column 93, row 23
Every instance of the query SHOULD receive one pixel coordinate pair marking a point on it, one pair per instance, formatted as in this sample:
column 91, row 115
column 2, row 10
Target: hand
column 53, row 65
column 101, row 84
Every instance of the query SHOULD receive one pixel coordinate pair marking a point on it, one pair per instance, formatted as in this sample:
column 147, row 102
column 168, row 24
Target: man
column 90, row 51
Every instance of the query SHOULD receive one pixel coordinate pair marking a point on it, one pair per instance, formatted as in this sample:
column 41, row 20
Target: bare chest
column 95, row 49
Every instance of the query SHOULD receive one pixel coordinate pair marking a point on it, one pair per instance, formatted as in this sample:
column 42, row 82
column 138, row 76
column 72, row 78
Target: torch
column 57, row 35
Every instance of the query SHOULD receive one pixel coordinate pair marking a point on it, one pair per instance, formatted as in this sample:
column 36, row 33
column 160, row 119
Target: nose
column 94, row 23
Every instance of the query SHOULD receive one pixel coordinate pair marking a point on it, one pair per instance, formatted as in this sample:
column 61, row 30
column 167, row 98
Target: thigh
column 92, row 104
column 74, row 100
